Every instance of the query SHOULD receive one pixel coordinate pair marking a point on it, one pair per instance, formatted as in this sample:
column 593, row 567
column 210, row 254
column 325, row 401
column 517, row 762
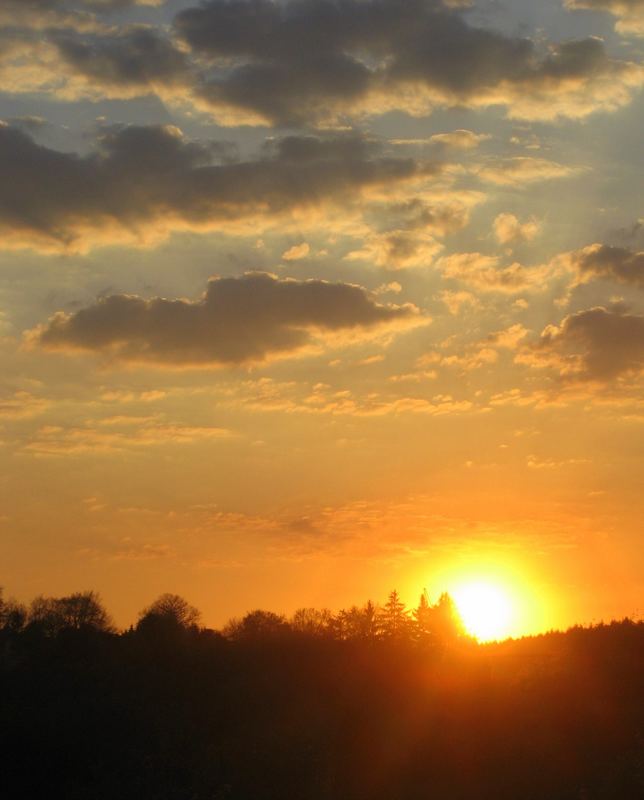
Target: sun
column 486, row 609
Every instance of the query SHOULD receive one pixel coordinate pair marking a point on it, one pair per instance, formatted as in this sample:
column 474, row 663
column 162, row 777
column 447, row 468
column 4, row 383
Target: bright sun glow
column 486, row 610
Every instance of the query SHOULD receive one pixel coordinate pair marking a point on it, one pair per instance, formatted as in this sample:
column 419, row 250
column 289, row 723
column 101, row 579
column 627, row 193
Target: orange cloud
column 21, row 405
column 297, row 252
column 508, row 229
column 54, row 440
column 520, row 170
column 487, row 275
column 398, row 249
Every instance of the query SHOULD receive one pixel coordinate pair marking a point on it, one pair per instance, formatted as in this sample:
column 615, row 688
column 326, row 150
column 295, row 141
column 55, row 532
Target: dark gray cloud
column 289, row 94
column 604, row 261
column 151, row 180
column 629, row 236
column 304, row 60
column 237, row 320
column 135, row 57
column 39, row 12
column 92, row 5
column 28, row 28
column 110, row 5
column 309, row 62
column 599, row 344
column 30, row 123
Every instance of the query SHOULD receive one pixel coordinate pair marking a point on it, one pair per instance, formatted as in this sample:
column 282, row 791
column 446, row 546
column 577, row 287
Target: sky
column 305, row 300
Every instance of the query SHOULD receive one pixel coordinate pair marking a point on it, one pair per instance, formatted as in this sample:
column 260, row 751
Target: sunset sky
column 303, row 301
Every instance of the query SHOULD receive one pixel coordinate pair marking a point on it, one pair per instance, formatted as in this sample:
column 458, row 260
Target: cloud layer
column 238, row 320
column 315, row 60
column 143, row 182
column 309, row 62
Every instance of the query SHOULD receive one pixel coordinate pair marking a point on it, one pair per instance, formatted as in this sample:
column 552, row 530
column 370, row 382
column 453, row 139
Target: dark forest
column 371, row 703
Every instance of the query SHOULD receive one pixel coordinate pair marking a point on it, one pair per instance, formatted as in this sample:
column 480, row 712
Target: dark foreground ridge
column 367, row 704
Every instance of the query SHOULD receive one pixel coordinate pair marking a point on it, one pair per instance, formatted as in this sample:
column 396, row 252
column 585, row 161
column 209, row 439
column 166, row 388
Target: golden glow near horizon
column 497, row 594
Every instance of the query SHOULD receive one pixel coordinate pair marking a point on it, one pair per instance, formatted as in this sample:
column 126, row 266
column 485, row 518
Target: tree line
column 428, row 623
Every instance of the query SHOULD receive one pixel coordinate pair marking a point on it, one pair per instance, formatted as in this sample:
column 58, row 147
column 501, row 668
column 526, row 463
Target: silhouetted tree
column 445, row 621
column 84, row 610
column 358, row 623
column 394, row 619
column 339, row 627
column 13, row 615
column 311, row 621
column 423, row 618
column 169, row 611
column 78, row 611
column 256, row 625
column 43, row 615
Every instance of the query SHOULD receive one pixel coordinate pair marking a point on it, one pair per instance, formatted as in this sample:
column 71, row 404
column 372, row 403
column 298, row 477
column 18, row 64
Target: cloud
column 475, row 359
column 455, row 301
column 629, row 235
column 487, row 275
column 450, row 214
column 318, row 61
column 459, row 139
column 392, row 287
column 237, row 321
column 30, row 123
column 599, row 344
column 308, row 62
column 130, row 62
column 45, row 15
column 110, row 5
column 54, row 440
column 405, row 234
column 81, row 16
column 576, row 79
column 535, row 462
column 71, row 5
column 603, row 261
column 520, row 170
column 143, row 182
column 508, row 229
column 398, row 249
column 477, row 355
column 266, row 395
column 21, row 405
column 508, row 338
column 69, row 53
column 297, row 252
column 629, row 13
column 456, row 140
